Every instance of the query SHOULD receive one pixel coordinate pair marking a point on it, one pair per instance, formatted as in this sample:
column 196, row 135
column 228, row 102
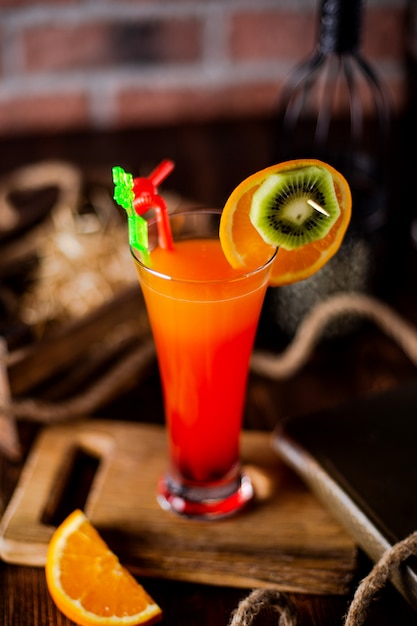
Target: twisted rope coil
column 263, row 599
column 311, row 328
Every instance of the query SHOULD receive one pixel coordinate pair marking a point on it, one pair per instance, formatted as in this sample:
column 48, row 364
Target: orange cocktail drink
column 204, row 316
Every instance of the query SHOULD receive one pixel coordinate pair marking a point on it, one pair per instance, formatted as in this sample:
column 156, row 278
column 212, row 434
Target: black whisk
column 333, row 107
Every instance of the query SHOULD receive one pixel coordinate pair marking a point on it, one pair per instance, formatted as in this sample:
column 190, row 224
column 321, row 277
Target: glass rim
column 204, row 210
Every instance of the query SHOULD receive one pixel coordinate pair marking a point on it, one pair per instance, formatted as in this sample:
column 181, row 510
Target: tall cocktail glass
column 203, row 315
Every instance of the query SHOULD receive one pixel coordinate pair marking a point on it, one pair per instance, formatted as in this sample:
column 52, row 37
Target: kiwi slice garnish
column 295, row 207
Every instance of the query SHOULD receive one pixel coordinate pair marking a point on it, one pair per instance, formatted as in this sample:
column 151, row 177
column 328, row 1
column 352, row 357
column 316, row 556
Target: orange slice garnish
column 87, row 582
column 244, row 247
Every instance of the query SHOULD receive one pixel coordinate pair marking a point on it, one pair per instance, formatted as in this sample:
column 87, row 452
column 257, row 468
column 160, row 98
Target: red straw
column 161, row 172
column 147, row 197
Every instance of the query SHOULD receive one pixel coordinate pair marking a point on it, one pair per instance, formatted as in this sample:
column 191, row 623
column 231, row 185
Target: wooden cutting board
column 285, row 540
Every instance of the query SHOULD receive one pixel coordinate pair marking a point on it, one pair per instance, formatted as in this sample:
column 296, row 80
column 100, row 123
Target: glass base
column 205, row 501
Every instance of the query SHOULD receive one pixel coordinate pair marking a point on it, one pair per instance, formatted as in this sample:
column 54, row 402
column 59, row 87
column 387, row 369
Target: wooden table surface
column 365, row 362
column 368, row 361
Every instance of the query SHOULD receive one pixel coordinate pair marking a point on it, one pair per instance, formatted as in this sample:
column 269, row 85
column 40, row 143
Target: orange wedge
column 87, row 582
column 244, row 247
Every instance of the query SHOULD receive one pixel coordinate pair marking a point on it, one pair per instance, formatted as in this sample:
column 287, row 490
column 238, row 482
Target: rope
column 287, row 363
column 266, row 599
column 378, row 577
column 262, row 599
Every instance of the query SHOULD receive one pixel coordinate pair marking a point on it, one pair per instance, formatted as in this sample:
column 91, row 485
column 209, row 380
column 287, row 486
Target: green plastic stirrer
column 139, row 195
column 124, row 196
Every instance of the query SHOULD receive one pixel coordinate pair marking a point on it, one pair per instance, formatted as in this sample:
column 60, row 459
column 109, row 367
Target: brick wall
column 111, row 64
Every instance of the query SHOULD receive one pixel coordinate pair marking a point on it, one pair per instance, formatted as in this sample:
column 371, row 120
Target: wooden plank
column 31, row 365
column 285, row 540
column 9, row 440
